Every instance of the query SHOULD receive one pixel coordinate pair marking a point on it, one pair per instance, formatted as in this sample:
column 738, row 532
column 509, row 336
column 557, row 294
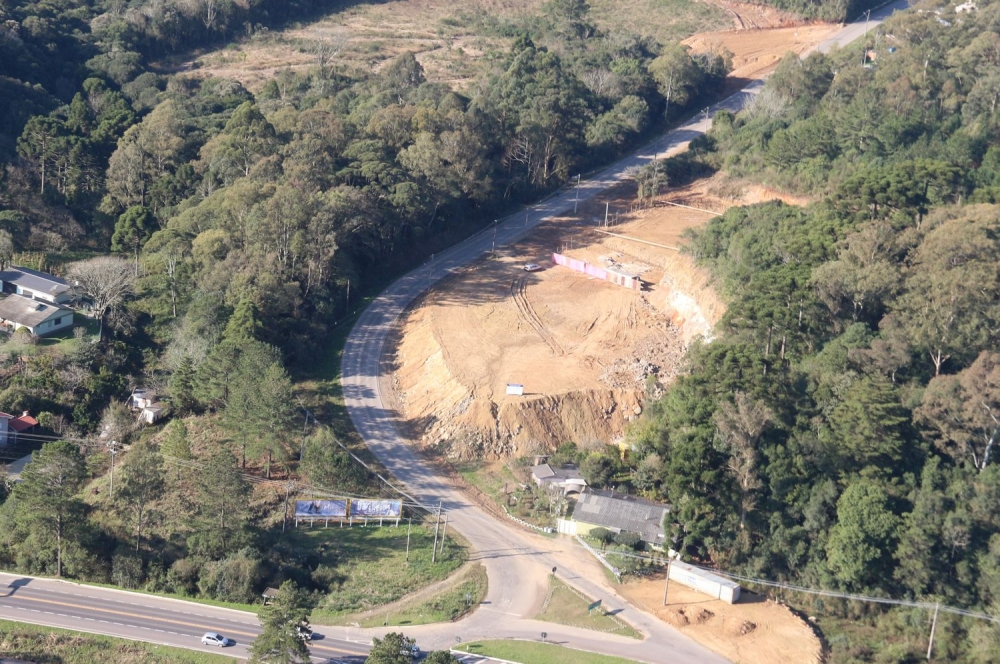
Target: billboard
column 320, row 509
column 375, row 508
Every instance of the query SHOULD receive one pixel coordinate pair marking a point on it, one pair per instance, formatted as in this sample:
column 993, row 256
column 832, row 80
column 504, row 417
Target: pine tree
column 279, row 642
column 182, row 387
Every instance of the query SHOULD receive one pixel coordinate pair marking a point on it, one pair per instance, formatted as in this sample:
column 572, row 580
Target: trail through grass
column 530, row 652
column 566, row 606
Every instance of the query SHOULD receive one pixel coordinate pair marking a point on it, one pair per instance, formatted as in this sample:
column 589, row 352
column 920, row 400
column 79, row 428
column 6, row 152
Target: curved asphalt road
column 512, row 557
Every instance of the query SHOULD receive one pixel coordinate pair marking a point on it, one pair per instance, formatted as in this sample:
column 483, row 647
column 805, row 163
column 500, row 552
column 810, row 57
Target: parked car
column 532, row 267
column 216, row 639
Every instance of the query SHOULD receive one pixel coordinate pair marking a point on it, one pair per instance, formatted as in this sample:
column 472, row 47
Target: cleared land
column 582, row 348
column 450, row 40
column 752, row 631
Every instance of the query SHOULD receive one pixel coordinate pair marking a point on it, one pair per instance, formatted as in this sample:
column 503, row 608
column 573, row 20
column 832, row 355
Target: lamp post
column 495, row 222
column 577, row 201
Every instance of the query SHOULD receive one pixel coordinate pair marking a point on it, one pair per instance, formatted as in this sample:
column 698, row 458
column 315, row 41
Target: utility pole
column 437, row 524
column 577, row 201
column 607, row 207
column 526, row 220
column 409, row 522
column 494, row 252
column 305, row 426
column 113, row 450
column 666, row 586
column 930, row 646
column 444, row 533
column 706, row 113
column 864, row 47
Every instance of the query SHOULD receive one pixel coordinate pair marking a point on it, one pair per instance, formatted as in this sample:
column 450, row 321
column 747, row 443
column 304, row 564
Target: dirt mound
column 752, row 631
column 687, row 615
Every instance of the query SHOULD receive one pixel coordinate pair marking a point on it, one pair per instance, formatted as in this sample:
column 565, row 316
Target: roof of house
column 623, row 514
column 34, row 280
column 566, row 472
column 21, row 422
column 28, row 312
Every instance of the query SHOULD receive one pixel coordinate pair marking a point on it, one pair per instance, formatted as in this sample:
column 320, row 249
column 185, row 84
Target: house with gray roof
column 36, row 285
column 566, row 477
column 39, row 318
column 618, row 514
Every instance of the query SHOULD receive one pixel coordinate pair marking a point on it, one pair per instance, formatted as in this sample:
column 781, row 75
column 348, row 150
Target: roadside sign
column 594, row 605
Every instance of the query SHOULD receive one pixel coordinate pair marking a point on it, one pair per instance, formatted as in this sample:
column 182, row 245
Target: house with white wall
column 39, row 318
column 36, row 285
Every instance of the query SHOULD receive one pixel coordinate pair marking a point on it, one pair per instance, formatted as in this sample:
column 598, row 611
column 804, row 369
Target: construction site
column 583, row 350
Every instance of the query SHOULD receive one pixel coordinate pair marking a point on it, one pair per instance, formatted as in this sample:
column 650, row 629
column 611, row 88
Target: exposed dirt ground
column 752, row 631
column 448, row 39
column 582, row 348
column 756, row 52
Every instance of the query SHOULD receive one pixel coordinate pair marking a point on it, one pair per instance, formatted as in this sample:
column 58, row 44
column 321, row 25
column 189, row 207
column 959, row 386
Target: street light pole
column 494, row 252
column 577, row 201
column 666, row 586
column 112, row 449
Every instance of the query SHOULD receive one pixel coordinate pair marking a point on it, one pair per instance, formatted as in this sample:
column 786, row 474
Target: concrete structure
column 704, row 581
column 567, row 477
column 36, row 285
column 41, row 318
column 621, row 514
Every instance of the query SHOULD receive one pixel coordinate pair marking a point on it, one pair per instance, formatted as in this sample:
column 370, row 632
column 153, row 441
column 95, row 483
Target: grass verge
column 367, row 567
column 529, row 652
column 458, row 598
column 48, row 645
column 565, row 606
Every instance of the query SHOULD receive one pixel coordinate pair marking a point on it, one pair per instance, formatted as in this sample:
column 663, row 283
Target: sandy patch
column 582, row 348
column 756, row 52
column 752, row 631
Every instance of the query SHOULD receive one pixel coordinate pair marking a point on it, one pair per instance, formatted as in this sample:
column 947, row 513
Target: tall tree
column 142, row 485
column 107, row 281
column 740, row 425
column 132, row 230
column 46, row 496
column 860, row 547
column 223, row 503
column 279, row 642
column 961, row 413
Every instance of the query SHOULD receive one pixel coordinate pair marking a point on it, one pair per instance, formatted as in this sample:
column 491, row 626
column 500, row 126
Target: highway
column 518, row 562
column 149, row 618
column 515, row 559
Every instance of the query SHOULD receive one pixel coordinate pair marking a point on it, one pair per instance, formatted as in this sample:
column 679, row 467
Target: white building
column 40, row 318
column 36, row 285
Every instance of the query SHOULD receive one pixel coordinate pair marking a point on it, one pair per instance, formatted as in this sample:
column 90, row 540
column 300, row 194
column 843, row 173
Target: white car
column 532, row 267
column 216, row 639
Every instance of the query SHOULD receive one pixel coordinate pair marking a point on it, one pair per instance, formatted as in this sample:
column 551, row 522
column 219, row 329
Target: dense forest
column 840, row 432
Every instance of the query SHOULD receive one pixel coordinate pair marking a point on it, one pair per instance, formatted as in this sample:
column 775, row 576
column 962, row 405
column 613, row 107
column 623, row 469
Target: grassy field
column 46, row 645
column 566, row 607
column 530, row 652
column 367, row 567
column 460, row 596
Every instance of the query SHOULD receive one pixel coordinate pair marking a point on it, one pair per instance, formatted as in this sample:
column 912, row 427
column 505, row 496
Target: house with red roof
column 11, row 426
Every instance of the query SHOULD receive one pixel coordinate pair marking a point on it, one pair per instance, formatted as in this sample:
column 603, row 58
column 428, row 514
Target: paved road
column 148, row 618
column 513, row 557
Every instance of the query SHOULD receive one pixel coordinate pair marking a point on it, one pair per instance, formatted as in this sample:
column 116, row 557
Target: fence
column 630, row 281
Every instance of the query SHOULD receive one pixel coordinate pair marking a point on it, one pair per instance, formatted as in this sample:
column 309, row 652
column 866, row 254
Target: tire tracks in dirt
column 518, row 293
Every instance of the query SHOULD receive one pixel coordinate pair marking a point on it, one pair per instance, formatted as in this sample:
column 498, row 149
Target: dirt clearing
column 583, row 349
column 756, row 52
column 752, row 631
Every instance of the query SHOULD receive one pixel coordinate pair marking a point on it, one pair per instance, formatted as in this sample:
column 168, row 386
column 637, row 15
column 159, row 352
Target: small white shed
column 705, row 582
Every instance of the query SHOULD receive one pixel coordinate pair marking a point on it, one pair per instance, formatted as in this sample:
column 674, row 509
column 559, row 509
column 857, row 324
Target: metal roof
column 566, row 472
column 34, row 280
column 622, row 514
column 27, row 312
